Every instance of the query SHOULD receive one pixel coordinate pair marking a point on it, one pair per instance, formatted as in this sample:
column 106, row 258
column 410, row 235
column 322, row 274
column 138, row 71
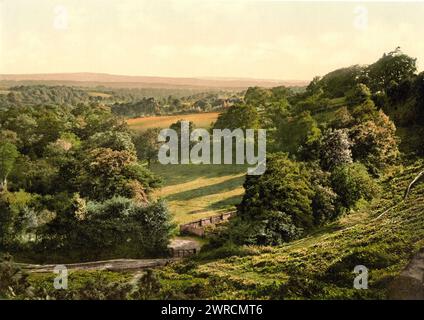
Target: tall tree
column 393, row 66
column 147, row 145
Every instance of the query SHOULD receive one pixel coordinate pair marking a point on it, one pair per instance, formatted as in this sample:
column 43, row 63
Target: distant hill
column 121, row 81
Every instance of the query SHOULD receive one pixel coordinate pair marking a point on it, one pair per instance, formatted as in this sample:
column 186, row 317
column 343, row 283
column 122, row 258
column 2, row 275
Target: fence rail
column 197, row 227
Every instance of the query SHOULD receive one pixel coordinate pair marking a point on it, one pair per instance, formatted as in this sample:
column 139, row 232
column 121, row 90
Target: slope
column 383, row 236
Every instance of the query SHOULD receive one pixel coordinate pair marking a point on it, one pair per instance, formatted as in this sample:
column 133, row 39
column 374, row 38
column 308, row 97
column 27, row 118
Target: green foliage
column 337, row 83
column 324, row 204
column 342, row 119
column 147, row 144
column 374, row 139
column 255, row 95
column 35, row 95
column 279, row 198
column 314, row 87
column 35, row 176
column 297, row 131
column 133, row 105
column 358, row 94
column 394, row 66
column 106, row 172
column 148, row 287
column 115, row 227
column 115, row 140
column 48, row 153
column 13, row 282
column 321, row 265
column 243, row 116
column 177, row 126
column 140, row 108
column 18, row 218
column 83, row 285
column 8, row 155
column 85, row 195
column 352, row 183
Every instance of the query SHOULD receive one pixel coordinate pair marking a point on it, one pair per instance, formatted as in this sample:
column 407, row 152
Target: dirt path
column 111, row 265
column 120, row 264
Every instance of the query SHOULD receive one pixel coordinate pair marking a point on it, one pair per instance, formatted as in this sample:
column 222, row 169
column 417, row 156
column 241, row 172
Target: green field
column 196, row 191
column 201, row 120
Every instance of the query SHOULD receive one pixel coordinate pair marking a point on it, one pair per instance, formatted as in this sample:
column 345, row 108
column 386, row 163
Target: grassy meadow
column 196, row 191
column 201, row 120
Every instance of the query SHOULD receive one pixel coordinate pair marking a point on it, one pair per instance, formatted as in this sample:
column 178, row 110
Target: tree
column 105, row 173
column 8, row 156
column 336, row 83
column 393, row 66
column 177, row 126
column 358, row 95
column 342, row 119
column 351, row 182
column 147, row 145
column 314, row 87
column 284, row 189
column 257, row 96
column 115, row 140
column 335, row 148
column 298, row 134
column 243, row 116
column 102, row 173
column 114, row 227
column 375, row 142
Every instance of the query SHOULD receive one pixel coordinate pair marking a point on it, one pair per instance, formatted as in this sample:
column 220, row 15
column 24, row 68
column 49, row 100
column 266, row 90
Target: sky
column 264, row 39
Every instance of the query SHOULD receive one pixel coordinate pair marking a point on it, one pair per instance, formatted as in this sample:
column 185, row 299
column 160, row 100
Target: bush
column 359, row 94
column 285, row 187
column 13, row 282
column 116, row 227
column 352, row 182
column 375, row 142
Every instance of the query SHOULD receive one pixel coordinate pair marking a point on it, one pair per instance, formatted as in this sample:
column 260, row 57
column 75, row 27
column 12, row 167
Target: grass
column 201, row 120
column 196, row 191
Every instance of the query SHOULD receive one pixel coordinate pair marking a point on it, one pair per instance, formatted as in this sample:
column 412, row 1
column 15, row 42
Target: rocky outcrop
column 410, row 283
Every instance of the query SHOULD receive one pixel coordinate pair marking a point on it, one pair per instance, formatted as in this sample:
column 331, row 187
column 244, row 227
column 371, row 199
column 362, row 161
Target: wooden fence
column 198, row 227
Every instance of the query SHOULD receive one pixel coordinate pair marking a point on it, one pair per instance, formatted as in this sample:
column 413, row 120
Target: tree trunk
column 412, row 184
